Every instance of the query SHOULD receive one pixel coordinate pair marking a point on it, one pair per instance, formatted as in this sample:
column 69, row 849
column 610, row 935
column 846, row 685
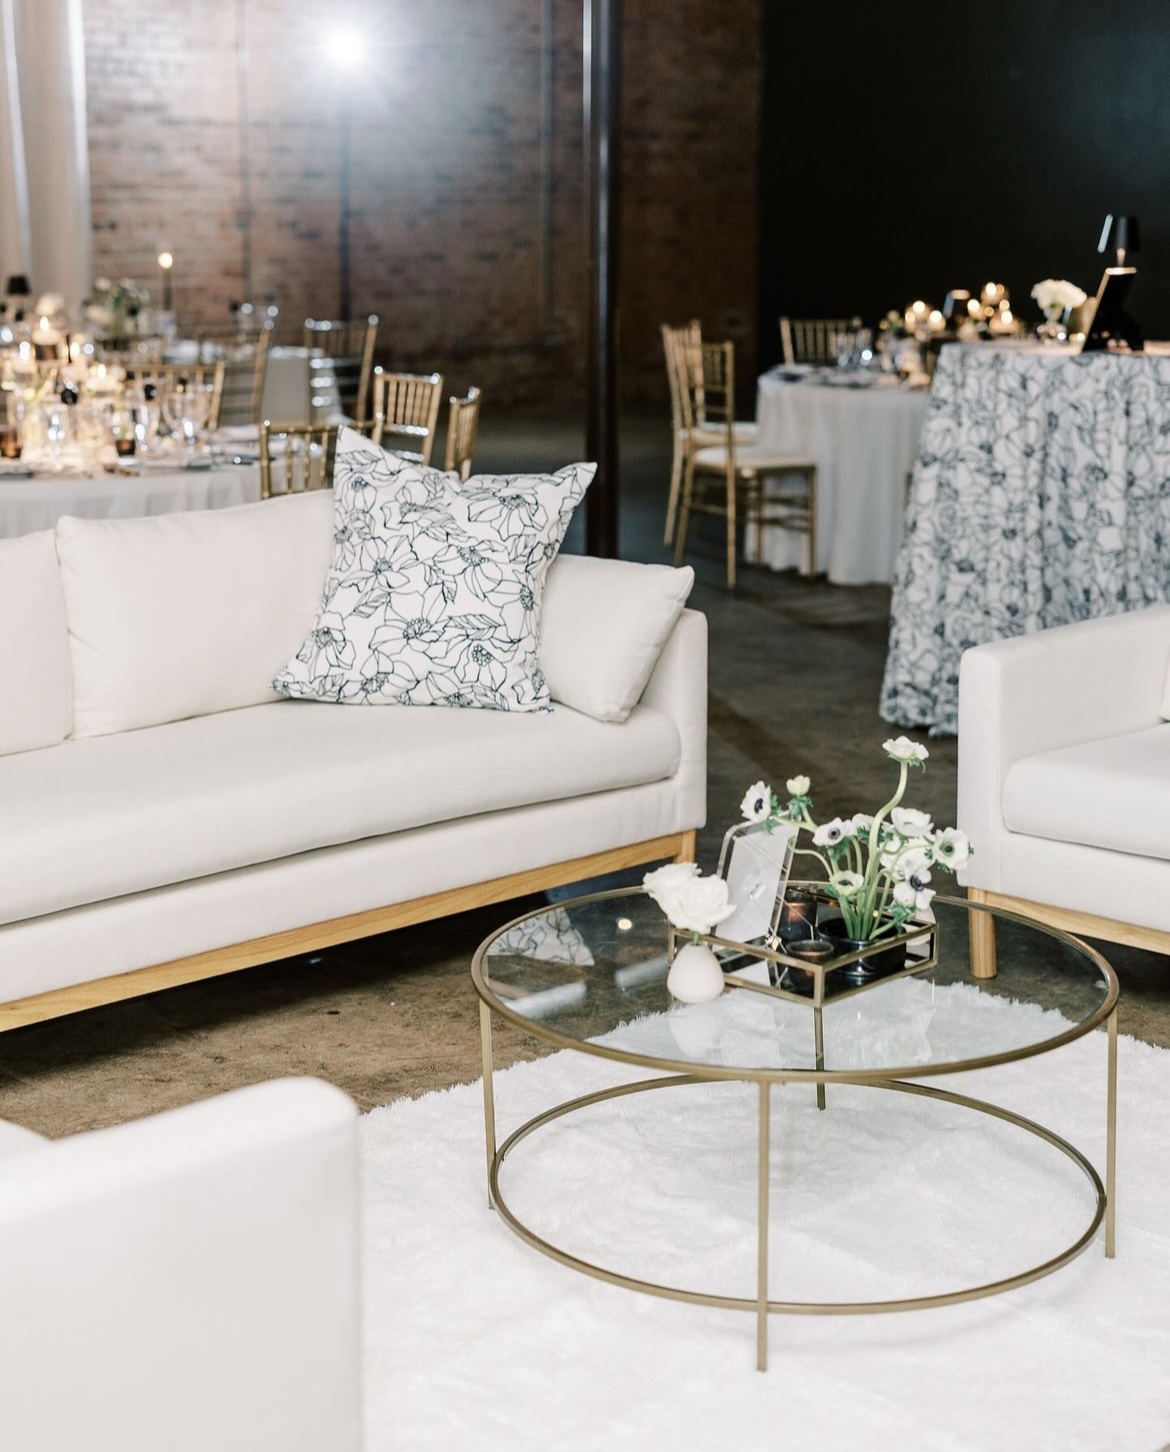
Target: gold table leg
column 1111, row 1140
column 489, row 1104
column 762, row 1229
column 819, row 1043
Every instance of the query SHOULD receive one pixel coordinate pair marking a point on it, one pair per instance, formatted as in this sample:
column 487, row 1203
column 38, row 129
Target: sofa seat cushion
column 1113, row 794
column 105, row 816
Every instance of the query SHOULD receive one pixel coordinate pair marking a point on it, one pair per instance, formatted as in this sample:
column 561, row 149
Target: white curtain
column 44, row 155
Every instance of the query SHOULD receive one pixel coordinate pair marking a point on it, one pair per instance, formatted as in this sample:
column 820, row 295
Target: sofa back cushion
column 603, row 626
column 38, row 695
column 185, row 614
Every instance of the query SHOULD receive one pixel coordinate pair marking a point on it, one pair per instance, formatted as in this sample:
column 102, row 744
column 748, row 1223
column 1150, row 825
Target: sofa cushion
column 602, row 629
column 1113, row 794
column 434, row 594
column 38, row 687
column 109, row 815
column 184, row 614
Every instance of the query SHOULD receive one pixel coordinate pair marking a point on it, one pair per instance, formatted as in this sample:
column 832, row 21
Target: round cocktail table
column 589, row 974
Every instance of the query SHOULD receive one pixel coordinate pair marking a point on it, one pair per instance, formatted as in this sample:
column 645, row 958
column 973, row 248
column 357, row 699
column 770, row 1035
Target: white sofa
column 167, row 816
column 188, row 1281
column 1064, row 779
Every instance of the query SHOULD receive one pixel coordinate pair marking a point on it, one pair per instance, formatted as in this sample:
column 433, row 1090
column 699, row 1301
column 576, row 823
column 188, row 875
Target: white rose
column 901, row 748
column 664, row 879
column 694, row 904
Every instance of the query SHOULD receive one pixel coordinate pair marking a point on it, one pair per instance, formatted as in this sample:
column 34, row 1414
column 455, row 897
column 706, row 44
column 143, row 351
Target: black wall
column 916, row 146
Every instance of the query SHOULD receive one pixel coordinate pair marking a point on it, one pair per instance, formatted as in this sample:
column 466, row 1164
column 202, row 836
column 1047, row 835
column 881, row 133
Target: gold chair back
column 349, row 347
column 406, row 408
column 245, row 360
column 462, row 428
column 298, row 457
column 814, row 340
column 166, row 377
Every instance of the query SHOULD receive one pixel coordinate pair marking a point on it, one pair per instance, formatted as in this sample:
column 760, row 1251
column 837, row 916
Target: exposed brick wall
column 444, row 128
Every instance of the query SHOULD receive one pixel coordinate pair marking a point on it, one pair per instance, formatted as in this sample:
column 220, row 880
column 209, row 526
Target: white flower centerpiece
column 693, row 904
column 878, row 869
column 1056, row 298
column 113, row 309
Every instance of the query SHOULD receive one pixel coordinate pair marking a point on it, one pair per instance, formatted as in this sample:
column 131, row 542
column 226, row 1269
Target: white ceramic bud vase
column 695, row 975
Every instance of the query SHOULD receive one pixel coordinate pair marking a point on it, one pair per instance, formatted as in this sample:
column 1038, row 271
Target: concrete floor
column 795, row 669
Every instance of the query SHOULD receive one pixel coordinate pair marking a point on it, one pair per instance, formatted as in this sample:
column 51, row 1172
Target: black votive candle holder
column 798, row 915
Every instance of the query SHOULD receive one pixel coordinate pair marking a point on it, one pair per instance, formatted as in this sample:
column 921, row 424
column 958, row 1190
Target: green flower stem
column 870, row 886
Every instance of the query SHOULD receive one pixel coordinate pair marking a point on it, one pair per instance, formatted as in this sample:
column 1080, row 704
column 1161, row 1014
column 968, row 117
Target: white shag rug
column 478, row 1343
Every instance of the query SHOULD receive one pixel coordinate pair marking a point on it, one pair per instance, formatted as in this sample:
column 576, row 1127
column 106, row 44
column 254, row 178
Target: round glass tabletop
column 590, row 974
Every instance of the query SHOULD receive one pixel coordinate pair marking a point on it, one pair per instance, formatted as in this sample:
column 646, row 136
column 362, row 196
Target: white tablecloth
column 1041, row 496
column 864, row 442
column 27, row 505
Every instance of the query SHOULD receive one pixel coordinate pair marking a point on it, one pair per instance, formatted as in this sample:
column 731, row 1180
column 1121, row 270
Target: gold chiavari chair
column 716, row 475
column 406, row 407
column 345, row 350
column 298, row 457
column 167, row 377
column 462, row 427
column 245, row 359
column 680, row 345
column 814, row 340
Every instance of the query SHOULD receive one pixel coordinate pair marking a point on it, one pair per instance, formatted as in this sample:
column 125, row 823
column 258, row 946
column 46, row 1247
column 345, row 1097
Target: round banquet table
column 864, row 439
column 27, row 505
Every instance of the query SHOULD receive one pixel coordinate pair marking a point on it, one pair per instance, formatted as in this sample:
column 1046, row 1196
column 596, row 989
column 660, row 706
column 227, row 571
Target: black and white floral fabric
column 433, row 597
column 547, row 938
column 1041, row 495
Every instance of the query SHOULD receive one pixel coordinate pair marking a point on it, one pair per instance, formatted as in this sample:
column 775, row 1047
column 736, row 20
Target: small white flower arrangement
column 878, row 867
column 692, row 903
column 1054, row 295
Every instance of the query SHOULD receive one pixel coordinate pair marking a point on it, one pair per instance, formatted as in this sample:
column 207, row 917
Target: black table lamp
column 1119, row 235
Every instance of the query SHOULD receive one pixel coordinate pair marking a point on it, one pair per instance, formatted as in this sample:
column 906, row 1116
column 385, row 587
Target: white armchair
column 187, row 1282
column 1064, row 780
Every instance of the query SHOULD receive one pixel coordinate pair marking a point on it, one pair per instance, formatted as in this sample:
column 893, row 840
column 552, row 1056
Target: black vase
column 876, row 962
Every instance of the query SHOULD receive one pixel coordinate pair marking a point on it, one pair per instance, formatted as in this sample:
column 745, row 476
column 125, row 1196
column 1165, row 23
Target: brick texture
column 219, row 128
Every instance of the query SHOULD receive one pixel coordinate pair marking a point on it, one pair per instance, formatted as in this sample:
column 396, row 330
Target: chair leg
column 675, row 486
column 731, row 529
column 811, row 486
column 981, row 929
column 684, row 515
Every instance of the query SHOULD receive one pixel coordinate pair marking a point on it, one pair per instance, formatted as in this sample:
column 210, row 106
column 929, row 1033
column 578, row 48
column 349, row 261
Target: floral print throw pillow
column 433, row 597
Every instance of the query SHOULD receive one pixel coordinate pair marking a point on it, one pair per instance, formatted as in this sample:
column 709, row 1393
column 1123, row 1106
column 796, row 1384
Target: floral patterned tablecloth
column 1041, row 495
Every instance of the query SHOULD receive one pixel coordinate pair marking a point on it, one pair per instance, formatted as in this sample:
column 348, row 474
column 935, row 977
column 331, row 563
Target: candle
column 798, row 915
column 811, row 950
column 166, row 262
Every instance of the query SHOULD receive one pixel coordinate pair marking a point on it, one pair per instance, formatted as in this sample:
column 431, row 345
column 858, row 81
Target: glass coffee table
column 589, row 975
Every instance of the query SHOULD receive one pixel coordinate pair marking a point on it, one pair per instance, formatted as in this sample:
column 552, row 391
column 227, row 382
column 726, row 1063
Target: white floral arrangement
column 113, row 307
column 1055, row 295
column 50, row 305
column 692, row 903
column 878, row 868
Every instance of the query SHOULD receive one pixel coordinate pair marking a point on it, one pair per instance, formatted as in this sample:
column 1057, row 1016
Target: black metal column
column 602, row 102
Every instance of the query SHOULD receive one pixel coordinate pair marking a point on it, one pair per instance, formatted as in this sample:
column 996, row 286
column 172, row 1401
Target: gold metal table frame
column 680, row 1075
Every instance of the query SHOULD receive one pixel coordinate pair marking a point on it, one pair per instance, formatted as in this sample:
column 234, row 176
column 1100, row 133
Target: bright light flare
column 166, row 260
column 343, row 46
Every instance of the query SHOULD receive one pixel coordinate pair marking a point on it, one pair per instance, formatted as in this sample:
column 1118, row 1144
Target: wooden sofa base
column 679, row 846
column 1083, row 925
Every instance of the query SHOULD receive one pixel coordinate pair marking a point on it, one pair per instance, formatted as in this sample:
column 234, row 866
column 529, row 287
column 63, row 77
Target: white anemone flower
column 911, row 864
column 901, row 748
column 757, row 803
column 861, row 822
column 798, row 786
column 832, row 833
column 848, row 882
column 911, row 823
column 951, row 848
column 908, row 894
